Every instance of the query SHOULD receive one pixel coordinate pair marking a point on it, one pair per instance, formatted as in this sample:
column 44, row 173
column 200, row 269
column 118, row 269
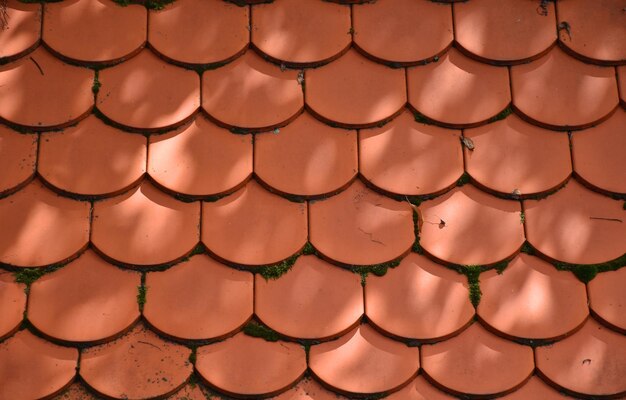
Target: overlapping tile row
column 163, row 195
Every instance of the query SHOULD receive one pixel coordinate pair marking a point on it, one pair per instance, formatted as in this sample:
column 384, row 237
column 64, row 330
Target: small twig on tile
column 607, row 219
column 37, row 65
column 149, row 344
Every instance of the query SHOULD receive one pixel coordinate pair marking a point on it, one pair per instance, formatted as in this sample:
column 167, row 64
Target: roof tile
column 301, row 32
column 213, row 31
column 363, row 362
column 419, row 300
column 411, row 158
column 359, row 226
column 535, row 388
column 306, row 158
column 92, row 158
column 101, row 30
column 198, row 299
column 41, row 228
column 12, row 303
column 458, row 91
column 354, row 91
column 478, row 363
column 21, row 35
column 607, row 298
column 191, row 392
column 419, row 389
column 145, row 227
column 590, row 362
column 32, row 368
column 254, row 227
column 87, row 300
column 248, row 366
column 18, row 155
column 308, row 389
column 76, row 391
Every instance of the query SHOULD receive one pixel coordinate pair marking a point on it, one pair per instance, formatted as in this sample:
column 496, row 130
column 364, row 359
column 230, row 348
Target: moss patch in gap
column 142, row 292
column 193, row 356
column 376, row 269
column 527, row 248
column 95, row 88
column 27, row 276
column 502, row 114
column 421, row 118
column 277, row 270
column 586, row 272
column 501, row 266
column 149, row 4
column 417, row 247
column 473, row 274
column 463, row 180
column 258, row 330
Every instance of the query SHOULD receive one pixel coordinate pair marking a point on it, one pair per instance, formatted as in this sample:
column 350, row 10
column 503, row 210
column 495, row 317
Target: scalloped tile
column 306, row 158
column 410, row 158
column 18, row 158
column 41, row 92
column 419, row 300
column 419, row 389
column 591, row 362
column 76, row 391
column 560, row 92
column 509, row 31
column 354, row 91
column 598, row 154
column 402, row 31
column 251, row 93
column 101, row 30
column 199, row 299
column 139, row 365
column 361, row 227
column 469, row 227
column 87, row 300
column 12, row 303
column 192, row 391
column 92, row 158
column 144, row 226
column 41, row 228
column 200, row 159
column 167, row 95
column 364, row 362
column 478, row 363
column 301, row 32
column 308, row 389
column 535, row 388
column 532, row 299
column 254, row 227
column 607, row 298
column 576, row 225
column 213, row 31
column 458, row 91
column 252, row 367
column 313, row 300
column 23, row 32
column 26, row 359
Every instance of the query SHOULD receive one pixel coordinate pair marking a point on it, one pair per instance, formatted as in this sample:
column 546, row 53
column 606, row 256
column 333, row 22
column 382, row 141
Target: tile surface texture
column 312, row 199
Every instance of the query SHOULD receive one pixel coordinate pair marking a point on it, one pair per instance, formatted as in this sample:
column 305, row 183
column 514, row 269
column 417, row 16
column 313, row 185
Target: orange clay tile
column 402, row 31
column 22, row 31
column 470, row 227
column 200, row 159
column 591, row 362
column 77, row 391
column 41, row 228
column 513, row 155
column 18, row 154
column 313, row 300
column 597, row 29
column 363, row 362
column 354, row 91
column 100, row 30
column 598, row 154
column 252, row 367
column 301, row 32
column 621, row 80
column 31, row 368
column 192, row 391
column 145, row 226
column 306, row 157
column 212, row 31
column 607, row 298
column 477, row 363
column 146, row 93
column 559, row 91
column 458, row 91
column 198, row 299
column 251, row 93
column 576, row 225
column 308, row 389
column 12, row 303
column 419, row 299
column 359, row 226
column 504, row 31
column 419, row 389
column 531, row 299
column 39, row 91
column 411, row 158
column 87, row 300
column 139, row 365
column 253, row 226
column 535, row 388
column 92, row 158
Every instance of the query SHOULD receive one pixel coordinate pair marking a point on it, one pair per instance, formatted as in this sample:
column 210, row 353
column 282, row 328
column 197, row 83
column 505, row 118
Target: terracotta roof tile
column 18, row 158
column 191, row 392
column 12, row 303
column 308, row 389
column 419, row 389
column 535, row 388
column 23, row 29
column 76, row 391
column 607, row 298
column 363, row 362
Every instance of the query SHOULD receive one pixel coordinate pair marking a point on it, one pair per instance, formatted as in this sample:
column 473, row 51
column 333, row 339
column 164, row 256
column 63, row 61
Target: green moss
column 193, row 356
column 95, row 88
column 27, row 276
column 501, row 266
column 527, row 248
column 417, row 247
column 277, row 270
column 149, row 4
column 522, row 217
column 586, row 272
column 473, row 274
column 258, row 330
column 463, row 180
column 502, row 114
column 142, row 292
column 308, row 249
column 421, row 118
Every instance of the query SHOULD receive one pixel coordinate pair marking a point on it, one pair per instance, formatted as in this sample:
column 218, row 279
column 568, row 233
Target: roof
column 311, row 200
